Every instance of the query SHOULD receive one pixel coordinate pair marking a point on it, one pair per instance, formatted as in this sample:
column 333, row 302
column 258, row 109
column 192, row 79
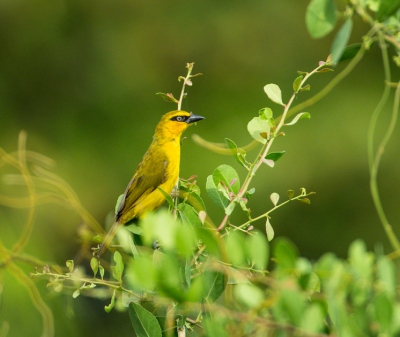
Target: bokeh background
column 80, row 78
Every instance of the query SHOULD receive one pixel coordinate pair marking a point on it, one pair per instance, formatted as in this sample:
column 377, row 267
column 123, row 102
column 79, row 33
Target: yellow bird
column 159, row 168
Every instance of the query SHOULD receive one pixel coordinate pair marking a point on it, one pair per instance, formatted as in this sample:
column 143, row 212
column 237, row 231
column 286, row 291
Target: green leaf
column 109, row 307
column 285, row 253
column 76, row 293
column 169, row 276
column 94, row 264
column 257, row 250
column 292, row 302
column 266, row 113
column 230, row 208
column 321, row 17
column 228, row 176
column 159, row 226
column 350, row 51
column 118, row 269
column 299, row 116
column 387, row 8
column 275, row 156
column 215, row 327
column 144, row 322
column 70, row 265
column 98, row 239
column 274, row 198
column 386, row 275
column 235, row 245
column 249, row 295
column 134, row 229
column 297, row 82
column 236, row 277
column 207, row 237
column 188, row 215
column 383, row 312
column 239, row 154
column 312, row 319
column 305, row 201
column 340, row 41
column 167, row 197
column 118, row 203
column 101, row 269
column 307, row 87
column 290, row 194
column 216, row 196
column 269, row 230
column 259, row 129
column 274, row 93
column 142, row 272
column 214, row 285
column 167, row 97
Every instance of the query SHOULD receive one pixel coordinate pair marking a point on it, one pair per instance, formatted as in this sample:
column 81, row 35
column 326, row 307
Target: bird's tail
column 107, row 240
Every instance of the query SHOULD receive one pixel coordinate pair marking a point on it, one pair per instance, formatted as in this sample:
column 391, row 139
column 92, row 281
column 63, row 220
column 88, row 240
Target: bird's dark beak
column 194, row 118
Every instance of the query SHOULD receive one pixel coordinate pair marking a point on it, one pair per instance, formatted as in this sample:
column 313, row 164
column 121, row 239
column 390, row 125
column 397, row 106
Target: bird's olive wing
column 147, row 177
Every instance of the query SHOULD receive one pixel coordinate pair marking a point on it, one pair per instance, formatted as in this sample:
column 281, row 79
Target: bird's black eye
column 179, row 118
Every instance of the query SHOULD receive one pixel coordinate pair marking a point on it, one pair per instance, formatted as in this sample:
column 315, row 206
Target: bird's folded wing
column 145, row 180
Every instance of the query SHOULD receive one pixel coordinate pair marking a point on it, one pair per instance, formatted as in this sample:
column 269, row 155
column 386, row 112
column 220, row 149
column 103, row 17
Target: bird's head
column 173, row 123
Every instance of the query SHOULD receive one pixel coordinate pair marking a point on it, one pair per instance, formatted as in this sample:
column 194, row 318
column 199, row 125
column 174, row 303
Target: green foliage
column 194, row 277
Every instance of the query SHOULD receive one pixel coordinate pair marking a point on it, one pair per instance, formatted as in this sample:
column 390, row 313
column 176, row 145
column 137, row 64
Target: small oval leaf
column 274, row 198
column 321, row 17
column 269, row 230
column 297, row 82
column 274, row 93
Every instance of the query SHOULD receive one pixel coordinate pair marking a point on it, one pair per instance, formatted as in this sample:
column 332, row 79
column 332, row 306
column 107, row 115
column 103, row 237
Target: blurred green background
column 80, row 78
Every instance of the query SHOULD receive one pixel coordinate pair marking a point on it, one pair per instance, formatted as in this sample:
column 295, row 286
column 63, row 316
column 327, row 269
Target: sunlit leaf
column 312, row 319
column 258, row 128
column 257, row 249
column 269, row 230
column 274, row 93
column 321, row 17
column 248, row 294
column 70, row 265
column 118, row 268
column 266, row 113
column 235, row 245
column 142, row 272
column 119, row 200
column 274, row 198
column 94, row 264
column 299, row 116
column 109, row 307
column 76, row 293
